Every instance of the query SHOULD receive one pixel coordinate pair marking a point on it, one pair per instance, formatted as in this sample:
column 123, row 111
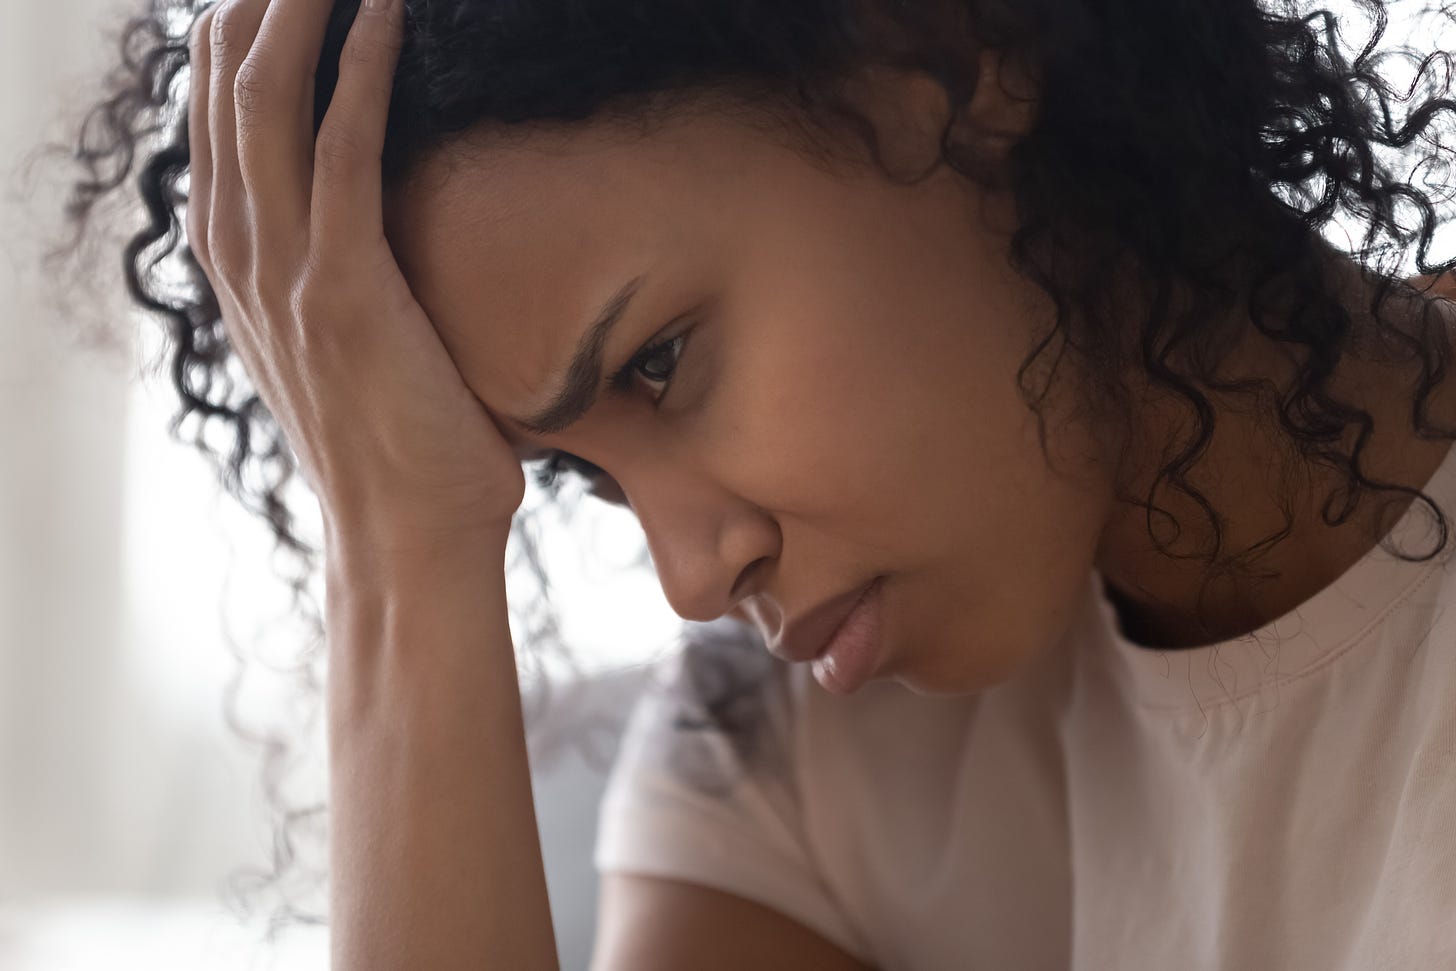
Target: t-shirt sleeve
column 715, row 808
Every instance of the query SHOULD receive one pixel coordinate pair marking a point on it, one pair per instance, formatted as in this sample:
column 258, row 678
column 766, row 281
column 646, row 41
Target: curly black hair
column 1195, row 150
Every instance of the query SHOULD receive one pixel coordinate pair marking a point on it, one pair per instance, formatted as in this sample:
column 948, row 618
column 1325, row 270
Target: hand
column 289, row 230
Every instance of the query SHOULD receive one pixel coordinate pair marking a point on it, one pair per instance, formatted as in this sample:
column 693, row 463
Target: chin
column 958, row 674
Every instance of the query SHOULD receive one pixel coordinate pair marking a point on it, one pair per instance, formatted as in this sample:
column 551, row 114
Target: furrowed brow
column 583, row 381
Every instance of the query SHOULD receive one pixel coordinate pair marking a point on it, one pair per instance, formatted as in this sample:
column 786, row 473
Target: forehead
column 511, row 242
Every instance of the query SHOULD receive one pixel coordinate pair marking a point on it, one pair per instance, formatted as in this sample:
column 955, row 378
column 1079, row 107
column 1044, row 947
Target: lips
column 805, row 638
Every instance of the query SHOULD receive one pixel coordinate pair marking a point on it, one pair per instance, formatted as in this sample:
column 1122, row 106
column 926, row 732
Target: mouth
column 808, row 635
column 855, row 651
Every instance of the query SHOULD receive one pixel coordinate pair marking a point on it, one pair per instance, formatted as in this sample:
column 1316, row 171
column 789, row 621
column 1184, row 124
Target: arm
column 647, row 923
column 435, row 854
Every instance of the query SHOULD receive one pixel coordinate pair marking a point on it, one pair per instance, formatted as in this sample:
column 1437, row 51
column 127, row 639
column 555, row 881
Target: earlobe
column 1005, row 104
column 909, row 111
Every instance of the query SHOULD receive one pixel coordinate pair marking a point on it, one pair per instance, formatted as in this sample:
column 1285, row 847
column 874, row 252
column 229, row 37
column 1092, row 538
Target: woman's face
column 842, row 401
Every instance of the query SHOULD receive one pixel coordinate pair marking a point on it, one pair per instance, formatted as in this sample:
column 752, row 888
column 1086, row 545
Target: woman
column 987, row 361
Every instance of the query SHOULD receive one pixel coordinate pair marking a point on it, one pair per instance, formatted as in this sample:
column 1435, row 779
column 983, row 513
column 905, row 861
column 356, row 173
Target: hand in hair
column 289, row 231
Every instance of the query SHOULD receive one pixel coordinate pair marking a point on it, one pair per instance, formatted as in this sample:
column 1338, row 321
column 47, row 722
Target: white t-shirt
column 1283, row 800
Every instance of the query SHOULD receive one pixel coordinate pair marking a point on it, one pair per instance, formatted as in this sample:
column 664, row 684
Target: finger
column 234, row 25
column 347, row 192
column 199, row 149
column 276, row 80
column 289, row 42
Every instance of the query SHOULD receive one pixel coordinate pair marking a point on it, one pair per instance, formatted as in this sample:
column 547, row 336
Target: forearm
column 435, row 854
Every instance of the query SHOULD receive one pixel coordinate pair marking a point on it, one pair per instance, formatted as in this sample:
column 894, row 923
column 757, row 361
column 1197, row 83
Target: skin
column 845, row 405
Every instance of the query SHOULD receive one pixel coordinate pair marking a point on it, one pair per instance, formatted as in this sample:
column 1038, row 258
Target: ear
column 908, row 111
column 1004, row 107
column 911, row 111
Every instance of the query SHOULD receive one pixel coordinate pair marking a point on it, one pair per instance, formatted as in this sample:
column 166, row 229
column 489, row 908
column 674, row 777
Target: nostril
column 740, row 591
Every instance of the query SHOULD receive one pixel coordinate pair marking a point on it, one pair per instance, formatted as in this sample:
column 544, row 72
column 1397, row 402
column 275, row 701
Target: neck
column 1261, row 486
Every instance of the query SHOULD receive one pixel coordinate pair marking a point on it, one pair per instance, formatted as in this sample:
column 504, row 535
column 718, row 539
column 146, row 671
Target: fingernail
column 377, row 6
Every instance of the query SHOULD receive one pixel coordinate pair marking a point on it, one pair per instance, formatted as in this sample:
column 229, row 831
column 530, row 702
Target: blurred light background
column 127, row 581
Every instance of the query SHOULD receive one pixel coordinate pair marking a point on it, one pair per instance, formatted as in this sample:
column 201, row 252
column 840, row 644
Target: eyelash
column 548, row 476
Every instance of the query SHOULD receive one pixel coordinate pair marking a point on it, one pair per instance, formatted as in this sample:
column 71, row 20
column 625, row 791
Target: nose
column 707, row 544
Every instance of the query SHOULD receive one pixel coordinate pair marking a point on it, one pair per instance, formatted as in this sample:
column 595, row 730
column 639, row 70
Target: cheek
column 821, row 430
column 904, row 428
column 992, row 583
column 839, row 415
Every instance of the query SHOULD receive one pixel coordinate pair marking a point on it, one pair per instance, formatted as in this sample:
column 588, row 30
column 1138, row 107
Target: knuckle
column 309, row 313
column 362, row 51
column 300, row 299
column 226, row 30
column 337, row 151
column 312, row 279
column 224, row 251
column 253, row 91
column 321, row 283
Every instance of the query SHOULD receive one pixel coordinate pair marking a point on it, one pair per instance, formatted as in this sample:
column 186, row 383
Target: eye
column 653, row 364
column 649, row 363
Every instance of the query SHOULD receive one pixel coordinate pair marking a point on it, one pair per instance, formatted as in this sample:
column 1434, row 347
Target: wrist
column 384, row 540
column 369, row 564
column 405, row 616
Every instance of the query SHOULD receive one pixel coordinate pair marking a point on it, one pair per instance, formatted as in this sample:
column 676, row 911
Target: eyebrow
column 583, row 381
